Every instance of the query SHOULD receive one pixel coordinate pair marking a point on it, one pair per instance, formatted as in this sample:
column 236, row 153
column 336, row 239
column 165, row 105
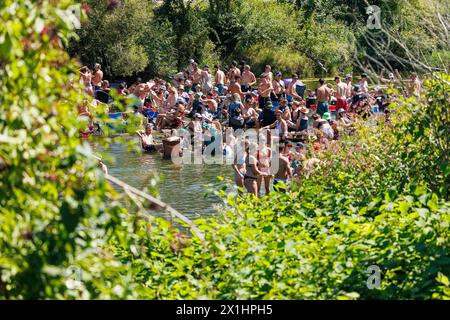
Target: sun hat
column 327, row 116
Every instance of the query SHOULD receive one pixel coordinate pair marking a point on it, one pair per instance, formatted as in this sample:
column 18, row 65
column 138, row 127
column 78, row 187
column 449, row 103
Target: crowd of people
column 201, row 101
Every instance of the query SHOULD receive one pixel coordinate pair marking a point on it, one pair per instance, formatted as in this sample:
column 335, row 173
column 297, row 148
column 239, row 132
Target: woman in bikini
column 239, row 166
column 264, row 155
column 251, row 169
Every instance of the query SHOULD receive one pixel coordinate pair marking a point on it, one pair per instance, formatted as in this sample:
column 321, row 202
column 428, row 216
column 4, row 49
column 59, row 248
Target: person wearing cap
column 267, row 116
column 248, row 79
column 342, row 120
column 341, row 94
column 264, row 90
column 323, row 97
column 390, row 81
column 219, row 79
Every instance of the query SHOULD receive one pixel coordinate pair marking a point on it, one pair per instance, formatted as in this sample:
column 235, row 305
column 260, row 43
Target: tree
column 57, row 212
column 114, row 35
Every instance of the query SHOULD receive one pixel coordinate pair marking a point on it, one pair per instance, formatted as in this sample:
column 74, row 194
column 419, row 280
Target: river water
column 183, row 187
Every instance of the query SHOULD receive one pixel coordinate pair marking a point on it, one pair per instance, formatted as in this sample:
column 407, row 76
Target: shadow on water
column 182, row 187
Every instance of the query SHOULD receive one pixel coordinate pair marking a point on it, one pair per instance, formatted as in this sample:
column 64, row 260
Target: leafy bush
column 364, row 206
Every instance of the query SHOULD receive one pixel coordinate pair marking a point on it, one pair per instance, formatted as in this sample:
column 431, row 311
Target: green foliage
column 190, row 29
column 57, row 213
column 115, row 36
column 363, row 206
column 304, row 36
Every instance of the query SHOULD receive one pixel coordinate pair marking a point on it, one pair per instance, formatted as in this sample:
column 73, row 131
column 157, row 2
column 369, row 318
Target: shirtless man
column 196, row 77
column 341, row 94
column 233, row 72
column 323, row 97
column 98, row 77
column 219, row 79
column 235, row 86
column 291, row 91
column 284, row 170
column 264, row 90
column 248, row 79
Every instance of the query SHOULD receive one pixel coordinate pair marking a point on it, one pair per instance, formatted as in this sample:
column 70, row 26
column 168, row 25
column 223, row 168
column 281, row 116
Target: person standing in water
column 284, row 170
column 248, row 79
column 251, row 169
column 264, row 156
column 323, row 97
column 98, row 77
column 219, row 79
column 147, row 142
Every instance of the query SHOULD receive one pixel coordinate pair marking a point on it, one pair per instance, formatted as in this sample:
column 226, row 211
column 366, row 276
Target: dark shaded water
column 183, row 187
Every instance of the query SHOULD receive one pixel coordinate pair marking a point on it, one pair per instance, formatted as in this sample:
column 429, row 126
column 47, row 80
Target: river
column 183, row 187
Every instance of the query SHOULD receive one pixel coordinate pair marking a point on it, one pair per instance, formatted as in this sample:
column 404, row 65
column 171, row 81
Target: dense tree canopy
column 305, row 36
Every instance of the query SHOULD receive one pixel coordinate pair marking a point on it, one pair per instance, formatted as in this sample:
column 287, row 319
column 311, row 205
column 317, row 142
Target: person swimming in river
column 147, row 141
